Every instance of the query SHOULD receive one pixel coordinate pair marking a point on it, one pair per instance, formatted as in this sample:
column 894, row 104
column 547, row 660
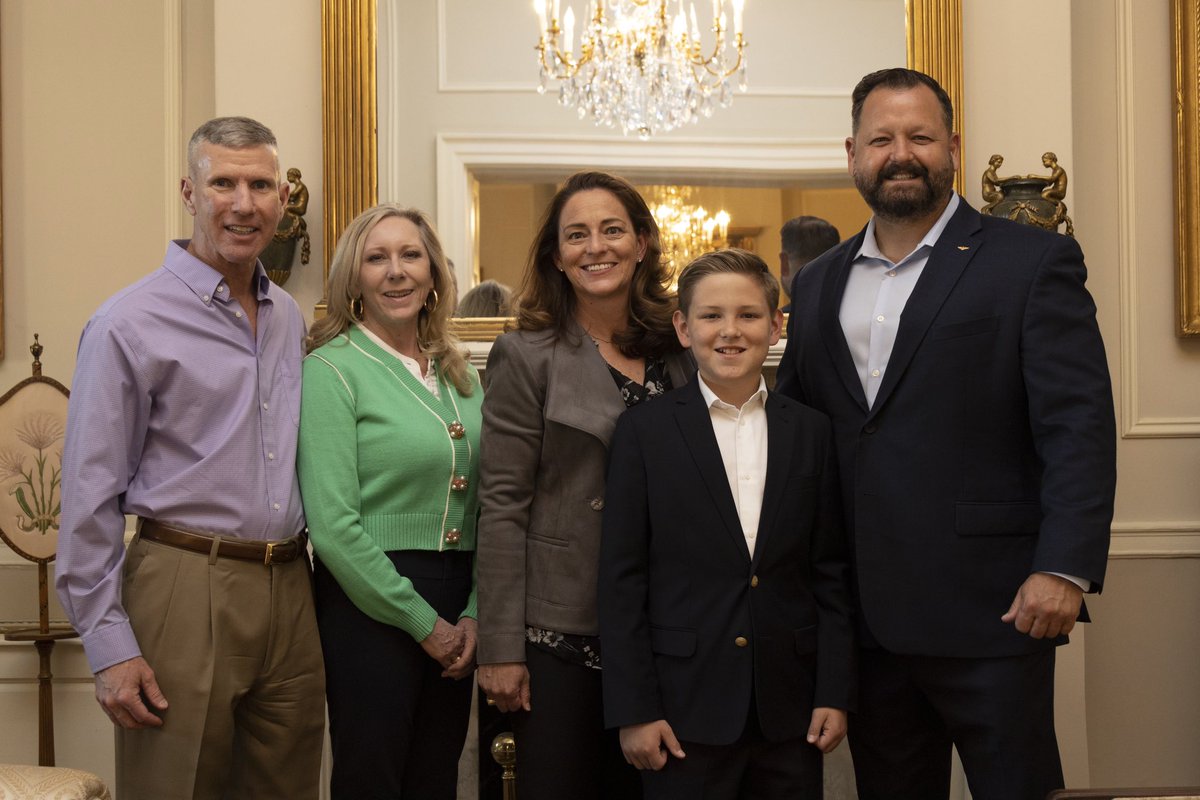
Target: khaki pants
column 234, row 647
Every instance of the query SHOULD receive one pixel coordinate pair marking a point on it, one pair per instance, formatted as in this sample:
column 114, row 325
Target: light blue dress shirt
column 876, row 292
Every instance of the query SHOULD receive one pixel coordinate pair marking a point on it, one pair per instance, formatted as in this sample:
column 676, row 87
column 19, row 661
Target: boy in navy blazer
column 724, row 605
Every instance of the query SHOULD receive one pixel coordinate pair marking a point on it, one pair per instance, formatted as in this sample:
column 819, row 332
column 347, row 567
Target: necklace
column 596, row 338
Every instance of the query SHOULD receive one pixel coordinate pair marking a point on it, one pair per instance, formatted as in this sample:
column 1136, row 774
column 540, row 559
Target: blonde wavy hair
column 433, row 327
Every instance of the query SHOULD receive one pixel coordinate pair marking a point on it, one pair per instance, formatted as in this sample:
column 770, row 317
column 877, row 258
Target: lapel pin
column 963, row 247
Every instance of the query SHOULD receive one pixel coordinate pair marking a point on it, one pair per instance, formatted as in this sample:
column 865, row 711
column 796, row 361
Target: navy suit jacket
column 990, row 450
column 690, row 625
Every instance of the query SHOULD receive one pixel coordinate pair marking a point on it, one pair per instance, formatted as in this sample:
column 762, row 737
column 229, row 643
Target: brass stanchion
column 504, row 753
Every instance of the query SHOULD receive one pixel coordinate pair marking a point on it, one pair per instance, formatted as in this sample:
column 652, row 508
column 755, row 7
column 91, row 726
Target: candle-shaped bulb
column 569, row 31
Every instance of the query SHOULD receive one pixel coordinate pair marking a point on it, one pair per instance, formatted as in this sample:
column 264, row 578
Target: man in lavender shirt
column 184, row 413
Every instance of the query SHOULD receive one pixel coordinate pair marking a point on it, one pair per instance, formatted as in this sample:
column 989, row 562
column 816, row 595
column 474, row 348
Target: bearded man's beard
column 896, row 202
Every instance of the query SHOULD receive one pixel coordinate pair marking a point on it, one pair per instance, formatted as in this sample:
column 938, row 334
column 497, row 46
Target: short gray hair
column 235, row 132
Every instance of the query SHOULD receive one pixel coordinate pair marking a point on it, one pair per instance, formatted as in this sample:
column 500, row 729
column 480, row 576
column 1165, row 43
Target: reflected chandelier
column 685, row 229
column 640, row 67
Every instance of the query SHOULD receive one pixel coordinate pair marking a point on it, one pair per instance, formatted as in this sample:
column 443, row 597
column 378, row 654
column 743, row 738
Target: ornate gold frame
column 349, row 120
column 1185, row 24
column 933, row 30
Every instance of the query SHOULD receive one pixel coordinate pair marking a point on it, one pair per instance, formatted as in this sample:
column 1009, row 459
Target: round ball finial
column 504, row 750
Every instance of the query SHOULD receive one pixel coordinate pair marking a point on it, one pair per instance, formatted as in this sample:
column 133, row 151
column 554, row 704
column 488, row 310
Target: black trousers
column 998, row 713
column 396, row 725
column 563, row 750
column 752, row 768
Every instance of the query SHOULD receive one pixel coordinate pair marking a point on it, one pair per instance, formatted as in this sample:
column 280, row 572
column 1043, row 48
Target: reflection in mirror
column 510, row 211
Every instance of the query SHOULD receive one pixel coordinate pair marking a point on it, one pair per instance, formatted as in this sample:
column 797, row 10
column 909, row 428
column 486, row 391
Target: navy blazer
column 691, row 627
column 990, row 450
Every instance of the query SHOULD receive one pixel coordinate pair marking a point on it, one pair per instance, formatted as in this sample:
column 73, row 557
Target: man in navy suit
column 960, row 361
column 723, row 592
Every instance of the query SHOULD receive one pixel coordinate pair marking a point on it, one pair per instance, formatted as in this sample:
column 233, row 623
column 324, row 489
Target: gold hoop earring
column 436, row 300
column 356, row 308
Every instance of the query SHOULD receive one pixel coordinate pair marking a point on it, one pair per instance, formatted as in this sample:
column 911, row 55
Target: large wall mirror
column 433, row 104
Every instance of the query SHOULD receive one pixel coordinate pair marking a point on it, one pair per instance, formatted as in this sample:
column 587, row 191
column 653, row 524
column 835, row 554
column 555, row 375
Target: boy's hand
column 646, row 745
column 827, row 729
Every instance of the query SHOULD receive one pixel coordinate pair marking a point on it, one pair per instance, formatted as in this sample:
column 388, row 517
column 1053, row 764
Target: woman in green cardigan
column 389, row 443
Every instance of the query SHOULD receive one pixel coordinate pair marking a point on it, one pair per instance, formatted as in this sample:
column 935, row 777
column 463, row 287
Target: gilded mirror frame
column 1185, row 25
column 1, row 250
column 933, row 34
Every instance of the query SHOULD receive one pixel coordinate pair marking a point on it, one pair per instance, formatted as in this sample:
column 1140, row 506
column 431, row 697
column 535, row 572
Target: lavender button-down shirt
column 178, row 414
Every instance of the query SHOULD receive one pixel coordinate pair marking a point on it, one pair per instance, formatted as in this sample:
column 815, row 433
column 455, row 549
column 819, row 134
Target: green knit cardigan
column 385, row 465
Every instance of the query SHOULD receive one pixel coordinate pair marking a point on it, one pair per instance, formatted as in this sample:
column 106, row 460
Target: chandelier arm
column 707, row 63
column 718, row 74
column 565, row 59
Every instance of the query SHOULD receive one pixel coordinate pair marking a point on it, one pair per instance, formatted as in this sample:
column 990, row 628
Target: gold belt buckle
column 270, row 553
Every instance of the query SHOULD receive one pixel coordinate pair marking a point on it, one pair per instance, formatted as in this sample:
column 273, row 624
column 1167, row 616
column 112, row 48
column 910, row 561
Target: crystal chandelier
column 687, row 230
column 640, row 67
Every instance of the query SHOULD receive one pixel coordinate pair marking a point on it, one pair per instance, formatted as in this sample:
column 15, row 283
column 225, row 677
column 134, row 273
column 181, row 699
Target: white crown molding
column 1134, row 425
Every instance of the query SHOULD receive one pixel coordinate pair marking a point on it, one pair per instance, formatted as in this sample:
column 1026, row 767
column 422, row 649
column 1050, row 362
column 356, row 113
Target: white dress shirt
column 876, row 293
column 742, row 437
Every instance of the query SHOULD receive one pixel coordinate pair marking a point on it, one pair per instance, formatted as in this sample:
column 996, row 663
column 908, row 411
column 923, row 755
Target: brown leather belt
column 278, row 551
